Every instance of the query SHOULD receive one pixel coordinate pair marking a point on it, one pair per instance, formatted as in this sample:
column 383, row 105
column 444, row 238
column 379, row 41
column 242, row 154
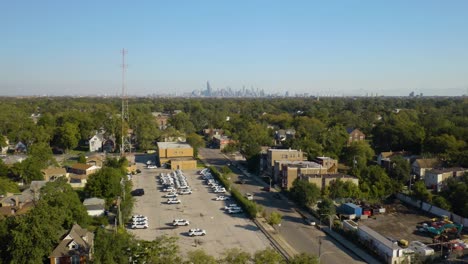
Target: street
column 301, row 237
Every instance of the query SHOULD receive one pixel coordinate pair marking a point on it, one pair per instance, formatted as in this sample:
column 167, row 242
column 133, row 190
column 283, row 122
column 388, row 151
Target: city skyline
column 335, row 48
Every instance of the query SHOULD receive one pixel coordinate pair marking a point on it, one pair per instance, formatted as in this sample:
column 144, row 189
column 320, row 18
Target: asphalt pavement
column 299, row 236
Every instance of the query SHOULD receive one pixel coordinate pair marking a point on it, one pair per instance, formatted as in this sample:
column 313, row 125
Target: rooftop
column 300, row 163
column 282, row 150
column 167, row 145
column 443, row 170
column 81, row 166
column 331, row 176
column 383, row 240
column 324, row 158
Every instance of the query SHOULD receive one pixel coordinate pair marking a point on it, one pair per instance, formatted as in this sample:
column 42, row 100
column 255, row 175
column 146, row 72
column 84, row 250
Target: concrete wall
column 433, row 209
column 175, row 152
column 291, row 155
column 183, row 164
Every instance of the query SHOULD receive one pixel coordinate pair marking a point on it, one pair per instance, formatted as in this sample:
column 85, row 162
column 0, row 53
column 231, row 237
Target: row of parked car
column 217, row 188
column 175, row 184
column 139, row 222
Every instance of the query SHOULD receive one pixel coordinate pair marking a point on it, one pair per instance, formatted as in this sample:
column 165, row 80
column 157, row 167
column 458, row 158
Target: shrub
column 249, row 206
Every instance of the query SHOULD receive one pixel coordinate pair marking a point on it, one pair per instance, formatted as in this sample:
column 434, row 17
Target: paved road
column 301, row 237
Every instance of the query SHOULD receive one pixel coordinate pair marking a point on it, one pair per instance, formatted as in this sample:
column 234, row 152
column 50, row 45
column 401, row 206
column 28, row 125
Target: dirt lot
column 223, row 231
column 400, row 222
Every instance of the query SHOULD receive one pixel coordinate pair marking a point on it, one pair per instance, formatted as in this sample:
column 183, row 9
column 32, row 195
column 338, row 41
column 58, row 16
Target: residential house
column 20, row 147
column 109, row 145
column 83, row 169
column 283, row 134
column 13, row 204
column 96, row 160
column 76, row 247
column 384, row 158
column 221, row 141
column 435, row 178
column 161, row 119
column 355, row 135
column 177, row 154
column 323, row 180
column 51, row 174
column 211, row 132
column 95, row 206
column 77, row 180
column 420, row 166
column 95, row 142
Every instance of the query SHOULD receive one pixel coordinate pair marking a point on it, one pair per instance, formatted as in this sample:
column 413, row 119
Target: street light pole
column 329, row 220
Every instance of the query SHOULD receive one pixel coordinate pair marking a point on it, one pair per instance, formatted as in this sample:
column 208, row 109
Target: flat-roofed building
column 323, row 180
column 329, row 163
column 178, row 154
column 389, row 251
column 287, row 171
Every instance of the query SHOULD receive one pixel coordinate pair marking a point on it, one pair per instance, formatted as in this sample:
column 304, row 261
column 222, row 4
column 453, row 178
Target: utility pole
column 320, row 246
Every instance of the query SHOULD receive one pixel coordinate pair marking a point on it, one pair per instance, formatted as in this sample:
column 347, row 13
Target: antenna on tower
column 125, row 145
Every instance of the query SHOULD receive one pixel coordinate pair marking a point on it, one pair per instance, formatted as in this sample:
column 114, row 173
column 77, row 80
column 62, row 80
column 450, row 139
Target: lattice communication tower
column 126, row 145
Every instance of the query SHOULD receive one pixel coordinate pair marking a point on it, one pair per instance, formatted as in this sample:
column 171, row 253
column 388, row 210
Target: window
column 75, row 259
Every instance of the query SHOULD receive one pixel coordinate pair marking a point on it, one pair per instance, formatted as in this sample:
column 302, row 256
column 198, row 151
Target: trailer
column 350, row 209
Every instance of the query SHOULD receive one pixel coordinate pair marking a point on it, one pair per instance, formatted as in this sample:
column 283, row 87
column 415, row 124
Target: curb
column 276, row 240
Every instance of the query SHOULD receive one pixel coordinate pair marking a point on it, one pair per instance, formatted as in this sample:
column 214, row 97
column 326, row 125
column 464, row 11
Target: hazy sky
column 319, row 47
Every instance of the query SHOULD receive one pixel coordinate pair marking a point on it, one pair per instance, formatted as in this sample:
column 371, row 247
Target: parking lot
column 400, row 222
column 223, row 231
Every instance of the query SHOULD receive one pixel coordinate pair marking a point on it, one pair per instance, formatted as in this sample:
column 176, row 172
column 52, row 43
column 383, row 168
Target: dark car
column 138, row 192
column 241, row 181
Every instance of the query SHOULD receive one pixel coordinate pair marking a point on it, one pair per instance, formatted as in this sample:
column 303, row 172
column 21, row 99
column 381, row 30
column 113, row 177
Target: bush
column 249, row 206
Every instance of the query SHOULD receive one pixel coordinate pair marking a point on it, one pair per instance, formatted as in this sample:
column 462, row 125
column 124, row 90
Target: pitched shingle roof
column 78, row 235
column 428, row 163
column 81, row 166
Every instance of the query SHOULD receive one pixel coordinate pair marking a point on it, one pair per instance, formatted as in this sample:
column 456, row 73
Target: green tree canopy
column 274, row 218
column 304, row 192
column 343, row 189
column 304, row 258
column 326, row 209
column 200, row 257
column 7, row 185
column 268, row 256
column 235, row 256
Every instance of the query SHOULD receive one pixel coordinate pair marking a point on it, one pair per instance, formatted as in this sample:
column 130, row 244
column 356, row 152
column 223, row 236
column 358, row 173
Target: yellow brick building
column 179, row 155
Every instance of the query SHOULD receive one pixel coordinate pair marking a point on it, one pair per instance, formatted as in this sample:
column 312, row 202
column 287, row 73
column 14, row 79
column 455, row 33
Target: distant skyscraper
column 208, row 89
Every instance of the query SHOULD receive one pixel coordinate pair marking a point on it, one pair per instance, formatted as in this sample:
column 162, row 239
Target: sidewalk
column 337, row 237
column 275, row 238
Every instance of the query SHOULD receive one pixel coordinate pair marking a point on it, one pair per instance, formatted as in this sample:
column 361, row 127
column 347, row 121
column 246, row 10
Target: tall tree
column 196, row 141
column 67, row 136
column 304, row 192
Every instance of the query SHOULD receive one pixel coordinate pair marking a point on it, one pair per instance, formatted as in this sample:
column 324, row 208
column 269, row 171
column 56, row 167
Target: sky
column 347, row 47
